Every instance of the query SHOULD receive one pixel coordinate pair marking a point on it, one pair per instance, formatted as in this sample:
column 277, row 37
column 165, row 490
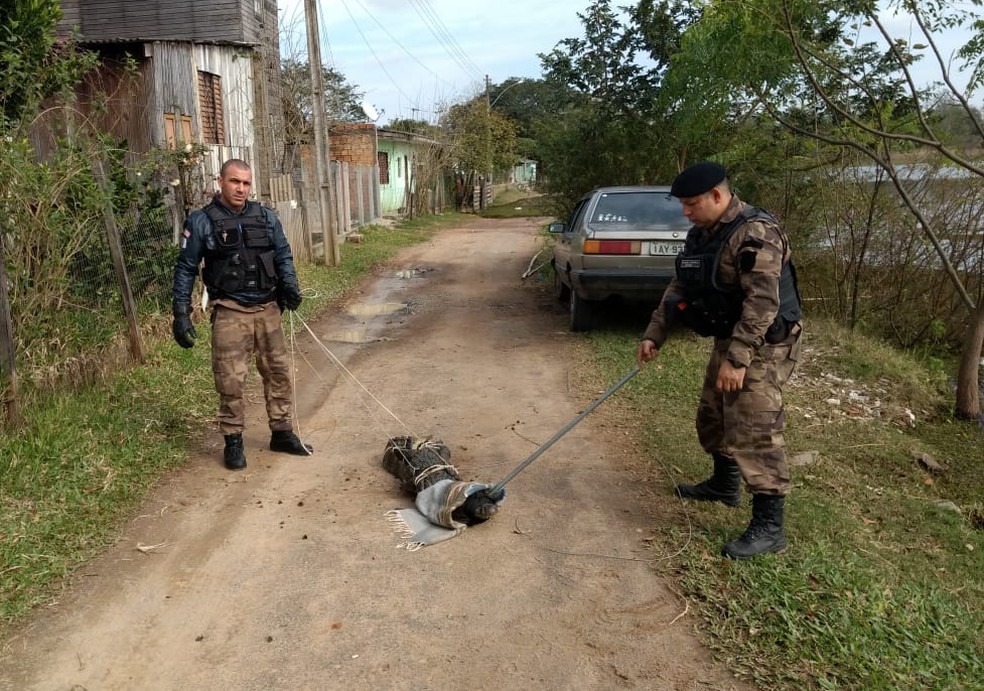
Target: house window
column 213, row 121
column 171, row 129
column 383, row 158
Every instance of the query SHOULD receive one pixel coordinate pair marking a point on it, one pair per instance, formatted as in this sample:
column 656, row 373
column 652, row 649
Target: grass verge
column 513, row 202
column 881, row 586
column 84, row 459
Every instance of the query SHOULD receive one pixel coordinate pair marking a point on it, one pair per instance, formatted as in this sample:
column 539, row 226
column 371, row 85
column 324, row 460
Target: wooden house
column 179, row 72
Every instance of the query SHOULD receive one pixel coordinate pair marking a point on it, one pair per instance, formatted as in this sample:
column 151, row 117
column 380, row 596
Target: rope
column 522, row 466
column 430, row 470
column 293, row 381
column 342, row 368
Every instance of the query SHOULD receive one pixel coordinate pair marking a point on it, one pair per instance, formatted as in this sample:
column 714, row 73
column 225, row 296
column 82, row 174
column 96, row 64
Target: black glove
column 288, row 295
column 181, row 327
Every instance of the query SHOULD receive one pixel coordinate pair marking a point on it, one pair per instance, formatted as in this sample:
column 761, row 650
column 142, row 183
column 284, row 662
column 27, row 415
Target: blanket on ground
column 431, row 521
column 444, row 504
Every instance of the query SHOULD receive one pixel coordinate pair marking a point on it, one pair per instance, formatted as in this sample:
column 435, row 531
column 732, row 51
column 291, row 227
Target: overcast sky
column 411, row 56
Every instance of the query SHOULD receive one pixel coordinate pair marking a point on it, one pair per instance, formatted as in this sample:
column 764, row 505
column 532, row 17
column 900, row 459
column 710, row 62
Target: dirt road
column 286, row 575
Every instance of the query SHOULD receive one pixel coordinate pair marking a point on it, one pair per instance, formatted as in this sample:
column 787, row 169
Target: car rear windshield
column 638, row 208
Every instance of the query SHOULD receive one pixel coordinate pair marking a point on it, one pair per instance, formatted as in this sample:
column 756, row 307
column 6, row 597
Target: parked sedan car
column 619, row 242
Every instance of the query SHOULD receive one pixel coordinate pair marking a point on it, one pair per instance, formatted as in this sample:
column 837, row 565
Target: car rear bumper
column 627, row 284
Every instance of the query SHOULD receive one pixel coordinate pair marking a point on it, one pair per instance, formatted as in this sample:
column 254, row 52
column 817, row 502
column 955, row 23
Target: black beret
column 697, row 179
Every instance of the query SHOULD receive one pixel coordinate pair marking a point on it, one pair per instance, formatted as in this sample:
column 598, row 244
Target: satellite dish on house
column 369, row 110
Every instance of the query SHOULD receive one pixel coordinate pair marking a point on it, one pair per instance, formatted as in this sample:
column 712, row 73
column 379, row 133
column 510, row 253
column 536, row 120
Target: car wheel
column 561, row 290
column 582, row 313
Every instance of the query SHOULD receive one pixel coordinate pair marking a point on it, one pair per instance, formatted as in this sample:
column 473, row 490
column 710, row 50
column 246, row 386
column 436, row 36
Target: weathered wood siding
column 236, row 70
column 228, row 21
column 174, row 40
column 269, row 123
column 259, row 20
column 174, row 88
column 70, row 16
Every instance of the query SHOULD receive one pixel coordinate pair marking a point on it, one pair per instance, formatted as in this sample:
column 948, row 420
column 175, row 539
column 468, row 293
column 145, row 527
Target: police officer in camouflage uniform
column 249, row 273
column 735, row 282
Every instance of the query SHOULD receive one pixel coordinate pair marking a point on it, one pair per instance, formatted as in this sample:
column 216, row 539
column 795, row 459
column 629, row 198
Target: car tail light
column 612, row 247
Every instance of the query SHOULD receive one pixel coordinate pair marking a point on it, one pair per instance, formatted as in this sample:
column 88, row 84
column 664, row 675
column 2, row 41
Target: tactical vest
column 711, row 308
column 239, row 253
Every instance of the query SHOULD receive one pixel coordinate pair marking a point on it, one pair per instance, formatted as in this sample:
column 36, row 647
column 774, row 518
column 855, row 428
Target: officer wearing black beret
column 698, row 179
column 735, row 282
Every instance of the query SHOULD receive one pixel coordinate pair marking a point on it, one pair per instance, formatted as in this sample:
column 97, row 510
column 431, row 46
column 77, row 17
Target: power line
column 401, row 46
column 437, row 29
column 376, row 57
column 444, row 37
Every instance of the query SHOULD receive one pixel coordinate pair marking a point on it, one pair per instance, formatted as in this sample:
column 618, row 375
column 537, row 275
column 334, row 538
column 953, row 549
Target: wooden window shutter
column 170, row 131
column 213, row 120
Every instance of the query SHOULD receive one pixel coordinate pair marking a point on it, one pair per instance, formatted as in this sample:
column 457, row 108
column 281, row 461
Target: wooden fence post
column 116, row 252
column 8, row 371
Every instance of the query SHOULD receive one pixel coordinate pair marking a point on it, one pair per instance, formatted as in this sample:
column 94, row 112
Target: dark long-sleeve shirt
column 197, row 241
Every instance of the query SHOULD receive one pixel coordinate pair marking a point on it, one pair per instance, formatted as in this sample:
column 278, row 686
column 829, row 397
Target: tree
column 33, row 63
column 415, row 127
column 833, row 72
column 342, row 100
column 480, row 140
column 531, row 104
column 610, row 126
column 955, row 123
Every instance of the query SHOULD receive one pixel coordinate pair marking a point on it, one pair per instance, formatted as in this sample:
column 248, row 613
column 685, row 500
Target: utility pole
column 321, row 165
column 488, row 143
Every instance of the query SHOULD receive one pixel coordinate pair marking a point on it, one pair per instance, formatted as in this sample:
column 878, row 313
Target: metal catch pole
column 495, row 489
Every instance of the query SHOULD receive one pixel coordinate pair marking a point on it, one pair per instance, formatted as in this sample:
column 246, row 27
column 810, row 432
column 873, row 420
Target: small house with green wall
column 524, row 172
column 411, row 174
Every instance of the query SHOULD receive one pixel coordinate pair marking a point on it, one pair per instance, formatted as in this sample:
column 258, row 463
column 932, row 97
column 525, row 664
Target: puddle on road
column 376, row 310
column 411, row 273
column 352, row 336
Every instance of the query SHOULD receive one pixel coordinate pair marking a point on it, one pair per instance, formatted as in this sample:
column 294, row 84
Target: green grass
column 70, row 477
column 85, row 458
column 517, row 203
column 881, row 587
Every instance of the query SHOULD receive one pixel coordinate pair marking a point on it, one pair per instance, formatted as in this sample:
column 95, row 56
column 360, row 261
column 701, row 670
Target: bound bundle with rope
column 445, row 504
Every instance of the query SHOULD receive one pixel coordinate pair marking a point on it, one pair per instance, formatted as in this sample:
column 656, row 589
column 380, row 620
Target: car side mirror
column 556, row 228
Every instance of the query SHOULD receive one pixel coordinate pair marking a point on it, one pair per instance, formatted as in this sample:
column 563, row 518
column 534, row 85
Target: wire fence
column 67, row 303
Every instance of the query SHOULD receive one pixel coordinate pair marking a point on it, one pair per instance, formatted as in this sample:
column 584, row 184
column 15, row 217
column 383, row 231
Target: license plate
column 666, row 248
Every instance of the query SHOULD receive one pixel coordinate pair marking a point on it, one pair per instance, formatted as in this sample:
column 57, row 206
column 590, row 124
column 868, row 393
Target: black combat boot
column 764, row 533
column 723, row 486
column 235, row 459
column 286, row 441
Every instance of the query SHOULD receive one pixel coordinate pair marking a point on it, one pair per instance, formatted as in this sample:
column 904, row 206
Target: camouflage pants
column 747, row 425
column 238, row 336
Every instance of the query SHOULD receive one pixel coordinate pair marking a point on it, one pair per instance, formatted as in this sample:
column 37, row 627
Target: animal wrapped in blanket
column 420, row 464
